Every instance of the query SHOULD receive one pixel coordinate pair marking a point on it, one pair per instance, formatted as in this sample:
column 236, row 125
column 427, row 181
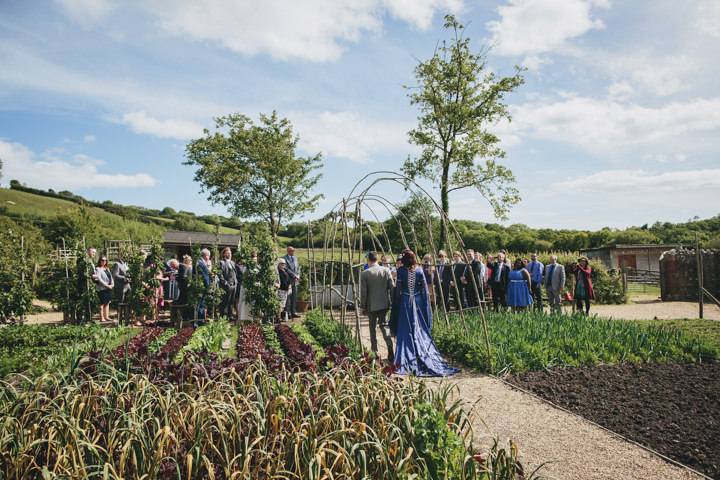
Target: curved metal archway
column 344, row 256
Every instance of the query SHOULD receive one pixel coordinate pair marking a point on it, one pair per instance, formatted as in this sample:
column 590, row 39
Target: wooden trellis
column 343, row 250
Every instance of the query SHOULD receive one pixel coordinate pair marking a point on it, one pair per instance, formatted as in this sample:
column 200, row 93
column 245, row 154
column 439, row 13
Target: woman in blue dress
column 518, row 294
column 410, row 319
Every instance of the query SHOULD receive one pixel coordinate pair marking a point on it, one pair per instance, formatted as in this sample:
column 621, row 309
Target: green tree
column 252, row 169
column 73, row 224
column 189, row 223
column 458, row 99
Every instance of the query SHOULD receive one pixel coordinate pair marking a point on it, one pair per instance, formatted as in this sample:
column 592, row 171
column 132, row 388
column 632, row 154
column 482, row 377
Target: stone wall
column 679, row 276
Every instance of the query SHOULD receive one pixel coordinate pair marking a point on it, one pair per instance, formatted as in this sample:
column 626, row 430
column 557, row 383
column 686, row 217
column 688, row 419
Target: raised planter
column 302, row 305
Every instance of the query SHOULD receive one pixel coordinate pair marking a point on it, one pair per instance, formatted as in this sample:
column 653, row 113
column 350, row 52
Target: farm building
column 180, row 242
column 630, row 258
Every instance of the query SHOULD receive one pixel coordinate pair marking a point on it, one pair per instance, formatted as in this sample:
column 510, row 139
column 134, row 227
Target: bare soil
column 671, row 408
column 563, row 444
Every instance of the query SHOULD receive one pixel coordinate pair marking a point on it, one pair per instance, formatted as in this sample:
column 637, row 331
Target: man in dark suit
column 228, row 281
column 204, row 266
column 376, row 288
column 119, row 274
column 457, row 281
column 292, row 267
column 499, row 281
column 442, row 280
column 473, row 279
column 535, row 269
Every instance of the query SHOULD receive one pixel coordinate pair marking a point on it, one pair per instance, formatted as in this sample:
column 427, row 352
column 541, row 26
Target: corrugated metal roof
column 175, row 237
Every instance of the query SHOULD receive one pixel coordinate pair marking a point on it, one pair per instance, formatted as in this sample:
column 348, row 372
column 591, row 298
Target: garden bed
column 672, row 408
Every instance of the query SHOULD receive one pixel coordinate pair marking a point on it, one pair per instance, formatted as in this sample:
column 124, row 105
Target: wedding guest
column 499, row 281
column 429, row 272
column 554, row 282
column 284, row 286
column 122, row 283
column 228, row 282
column 204, row 267
column 518, row 292
column 242, row 306
column 535, row 268
column 458, row 281
column 104, row 285
column 583, row 285
column 474, row 279
column 442, row 280
column 183, row 279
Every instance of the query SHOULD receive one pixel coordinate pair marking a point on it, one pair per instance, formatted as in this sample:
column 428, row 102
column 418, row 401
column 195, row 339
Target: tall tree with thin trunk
column 252, row 169
column 459, row 98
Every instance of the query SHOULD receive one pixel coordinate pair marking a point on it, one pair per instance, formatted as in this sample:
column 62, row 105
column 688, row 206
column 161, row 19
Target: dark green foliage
column 16, row 296
column 442, row 449
column 260, row 277
column 144, row 284
column 329, row 332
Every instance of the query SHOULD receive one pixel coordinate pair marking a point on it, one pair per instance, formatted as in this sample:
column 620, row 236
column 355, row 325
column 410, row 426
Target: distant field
column 24, row 203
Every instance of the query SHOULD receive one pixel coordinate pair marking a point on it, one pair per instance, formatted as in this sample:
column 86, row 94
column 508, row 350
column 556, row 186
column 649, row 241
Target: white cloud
column 708, row 17
column 140, row 122
column 312, row 30
column 56, row 172
column 532, row 27
column 651, row 71
column 641, row 181
column 605, row 125
column 420, row 13
column 89, row 138
column 87, row 11
column 620, row 91
column 349, row 136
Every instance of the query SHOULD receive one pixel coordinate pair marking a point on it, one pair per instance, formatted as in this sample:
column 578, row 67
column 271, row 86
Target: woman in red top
column 583, row 285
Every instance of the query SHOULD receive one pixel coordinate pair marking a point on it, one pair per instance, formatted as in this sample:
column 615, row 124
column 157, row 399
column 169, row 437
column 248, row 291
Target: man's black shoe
column 295, row 315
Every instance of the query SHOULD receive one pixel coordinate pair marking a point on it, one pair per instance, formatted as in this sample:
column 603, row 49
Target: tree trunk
column 445, row 204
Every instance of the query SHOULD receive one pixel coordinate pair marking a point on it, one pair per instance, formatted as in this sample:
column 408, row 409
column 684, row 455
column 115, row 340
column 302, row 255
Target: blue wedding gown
column 415, row 351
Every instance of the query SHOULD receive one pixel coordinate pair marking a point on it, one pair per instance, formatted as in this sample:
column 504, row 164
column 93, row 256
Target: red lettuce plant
column 302, row 355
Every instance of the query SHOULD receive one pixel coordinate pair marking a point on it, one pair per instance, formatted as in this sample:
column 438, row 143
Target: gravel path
column 570, row 446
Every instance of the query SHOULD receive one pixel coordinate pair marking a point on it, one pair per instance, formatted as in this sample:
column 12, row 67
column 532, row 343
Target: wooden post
column 22, row 271
column 698, row 258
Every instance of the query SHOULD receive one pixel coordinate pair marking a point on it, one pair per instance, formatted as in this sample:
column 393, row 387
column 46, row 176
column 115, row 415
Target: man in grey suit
column 228, row 282
column 376, row 288
column 122, row 283
column 554, row 282
column 292, row 268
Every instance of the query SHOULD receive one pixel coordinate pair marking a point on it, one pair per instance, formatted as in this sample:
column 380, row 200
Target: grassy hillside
column 16, row 203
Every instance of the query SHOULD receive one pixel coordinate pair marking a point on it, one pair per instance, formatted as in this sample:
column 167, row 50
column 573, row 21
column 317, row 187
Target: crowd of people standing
column 174, row 278
column 470, row 281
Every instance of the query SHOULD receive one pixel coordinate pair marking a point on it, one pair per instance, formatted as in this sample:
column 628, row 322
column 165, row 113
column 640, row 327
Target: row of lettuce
column 298, row 401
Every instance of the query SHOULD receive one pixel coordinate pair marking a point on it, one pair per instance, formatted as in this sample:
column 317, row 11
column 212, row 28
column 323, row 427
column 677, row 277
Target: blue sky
column 617, row 124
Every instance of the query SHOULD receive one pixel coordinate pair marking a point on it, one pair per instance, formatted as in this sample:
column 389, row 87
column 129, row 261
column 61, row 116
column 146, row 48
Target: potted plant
column 303, row 295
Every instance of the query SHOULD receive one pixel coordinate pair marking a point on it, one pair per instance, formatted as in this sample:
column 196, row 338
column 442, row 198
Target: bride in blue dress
column 410, row 319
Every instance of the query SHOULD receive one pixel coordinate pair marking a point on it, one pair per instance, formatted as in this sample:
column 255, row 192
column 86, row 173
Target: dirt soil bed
column 671, row 408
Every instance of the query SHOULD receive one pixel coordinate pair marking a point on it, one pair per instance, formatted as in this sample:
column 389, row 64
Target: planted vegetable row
column 540, row 341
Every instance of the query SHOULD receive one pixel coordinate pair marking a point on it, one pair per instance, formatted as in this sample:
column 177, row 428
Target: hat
column 282, row 260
